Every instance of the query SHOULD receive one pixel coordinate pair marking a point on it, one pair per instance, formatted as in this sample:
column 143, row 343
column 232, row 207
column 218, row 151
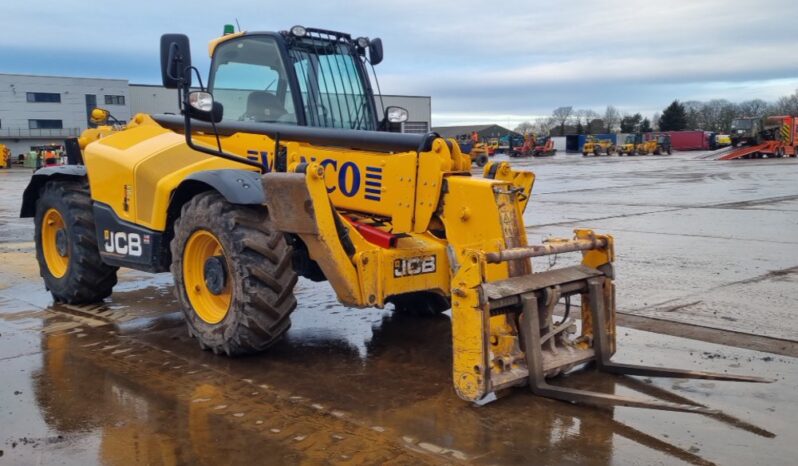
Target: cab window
column 248, row 78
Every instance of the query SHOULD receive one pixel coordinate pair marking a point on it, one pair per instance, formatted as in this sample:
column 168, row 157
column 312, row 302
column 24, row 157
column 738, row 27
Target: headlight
column 299, row 31
column 201, row 101
column 362, row 42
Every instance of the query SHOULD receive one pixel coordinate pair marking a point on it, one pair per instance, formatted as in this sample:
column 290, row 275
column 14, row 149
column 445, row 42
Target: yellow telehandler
column 595, row 146
column 282, row 166
column 5, row 156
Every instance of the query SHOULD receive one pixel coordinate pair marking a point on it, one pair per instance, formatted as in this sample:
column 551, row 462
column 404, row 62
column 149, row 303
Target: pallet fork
column 526, row 303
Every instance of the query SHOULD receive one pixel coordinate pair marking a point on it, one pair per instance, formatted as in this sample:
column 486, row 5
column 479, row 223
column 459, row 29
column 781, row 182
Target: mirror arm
column 205, row 150
column 217, row 153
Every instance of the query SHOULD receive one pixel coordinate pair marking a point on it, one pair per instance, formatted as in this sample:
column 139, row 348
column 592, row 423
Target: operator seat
column 263, row 106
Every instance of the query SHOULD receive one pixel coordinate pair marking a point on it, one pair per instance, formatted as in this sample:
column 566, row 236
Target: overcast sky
column 481, row 61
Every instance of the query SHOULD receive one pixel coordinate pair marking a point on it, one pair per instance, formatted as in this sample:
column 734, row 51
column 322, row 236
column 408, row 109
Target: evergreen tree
column 630, row 124
column 674, row 117
column 645, row 126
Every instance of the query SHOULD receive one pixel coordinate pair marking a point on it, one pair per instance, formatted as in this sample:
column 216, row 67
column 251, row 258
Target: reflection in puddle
column 121, row 383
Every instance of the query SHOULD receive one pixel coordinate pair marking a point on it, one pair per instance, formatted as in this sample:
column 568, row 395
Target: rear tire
column 258, row 276
column 66, row 245
column 481, row 160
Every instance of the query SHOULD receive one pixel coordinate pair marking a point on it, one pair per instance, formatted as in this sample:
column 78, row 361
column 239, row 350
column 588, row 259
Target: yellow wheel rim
column 211, row 307
column 54, row 243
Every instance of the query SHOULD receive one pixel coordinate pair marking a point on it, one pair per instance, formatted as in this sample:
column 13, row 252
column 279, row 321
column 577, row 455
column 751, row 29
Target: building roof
column 49, row 76
column 454, row 131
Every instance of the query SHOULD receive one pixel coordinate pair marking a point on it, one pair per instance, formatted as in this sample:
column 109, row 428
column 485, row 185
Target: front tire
column 66, row 245
column 233, row 275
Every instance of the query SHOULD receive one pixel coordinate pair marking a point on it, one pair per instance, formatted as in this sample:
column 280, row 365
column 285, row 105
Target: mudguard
column 237, row 186
column 40, row 177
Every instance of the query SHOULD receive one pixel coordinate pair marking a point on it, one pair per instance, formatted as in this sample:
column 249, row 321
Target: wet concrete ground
column 698, row 242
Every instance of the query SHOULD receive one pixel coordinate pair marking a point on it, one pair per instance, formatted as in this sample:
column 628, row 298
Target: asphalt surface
column 705, row 250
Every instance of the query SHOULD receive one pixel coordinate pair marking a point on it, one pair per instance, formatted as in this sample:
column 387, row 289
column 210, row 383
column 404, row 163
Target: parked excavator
column 540, row 146
column 262, row 179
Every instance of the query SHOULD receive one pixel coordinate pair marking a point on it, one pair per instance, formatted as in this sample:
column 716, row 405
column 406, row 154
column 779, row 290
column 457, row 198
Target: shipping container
column 559, row 143
column 572, row 143
column 689, row 140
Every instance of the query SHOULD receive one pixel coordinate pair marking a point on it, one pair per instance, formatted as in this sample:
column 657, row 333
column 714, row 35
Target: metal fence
column 24, row 133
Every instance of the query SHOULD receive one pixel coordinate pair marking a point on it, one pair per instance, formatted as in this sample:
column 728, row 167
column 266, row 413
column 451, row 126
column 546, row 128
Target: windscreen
column 248, row 78
column 742, row 124
column 331, row 84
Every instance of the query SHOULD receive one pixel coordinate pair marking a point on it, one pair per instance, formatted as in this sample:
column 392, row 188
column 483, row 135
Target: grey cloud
column 477, row 59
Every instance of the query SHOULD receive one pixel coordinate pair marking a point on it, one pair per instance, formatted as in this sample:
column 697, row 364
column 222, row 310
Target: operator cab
column 301, row 77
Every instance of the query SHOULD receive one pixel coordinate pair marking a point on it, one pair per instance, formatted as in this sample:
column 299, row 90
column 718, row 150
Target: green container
column 30, row 161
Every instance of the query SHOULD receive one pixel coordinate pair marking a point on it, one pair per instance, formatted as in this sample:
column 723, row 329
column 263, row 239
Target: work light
column 299, row 31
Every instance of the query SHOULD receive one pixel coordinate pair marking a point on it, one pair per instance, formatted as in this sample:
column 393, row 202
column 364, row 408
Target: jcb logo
column 119, row 242
column 413, row 266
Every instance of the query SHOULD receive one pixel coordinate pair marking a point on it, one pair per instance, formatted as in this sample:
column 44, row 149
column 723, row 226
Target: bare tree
column 611, row 118
column 752, row 108
column 655, row 121
column 524, row 127
column 561, row 115
column 695, row 119
column 787, row 105
column 544, row 125
column 584, row 116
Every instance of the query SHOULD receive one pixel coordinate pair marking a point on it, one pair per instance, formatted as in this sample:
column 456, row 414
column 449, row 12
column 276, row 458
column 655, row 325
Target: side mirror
column 202, row 107
column 396, row 114
column 393, row 119
column 175, row 60
column 375, row 51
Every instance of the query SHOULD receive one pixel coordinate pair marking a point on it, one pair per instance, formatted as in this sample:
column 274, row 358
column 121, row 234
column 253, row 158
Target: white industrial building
column 43, row 110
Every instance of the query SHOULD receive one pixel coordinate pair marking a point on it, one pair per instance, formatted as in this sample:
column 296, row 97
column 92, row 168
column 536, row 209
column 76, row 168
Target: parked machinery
column 663, row 144
column 776, row 138
column 746, row 131
column 719, row 141
column 630, row 143
column 544, row 147
column 493, row 146
column 654, row 144
column 478, row 151
column 236, row 209
column 5, row 156
column 535, row 146
column 595, row 146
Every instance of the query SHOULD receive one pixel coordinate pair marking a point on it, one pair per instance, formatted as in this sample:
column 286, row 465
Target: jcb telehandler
column 281, row 167
column 630, row 143
column 594, row 146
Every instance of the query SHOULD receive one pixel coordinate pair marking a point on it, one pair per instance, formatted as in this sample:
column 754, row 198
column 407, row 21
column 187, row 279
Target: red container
column 689, row 140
